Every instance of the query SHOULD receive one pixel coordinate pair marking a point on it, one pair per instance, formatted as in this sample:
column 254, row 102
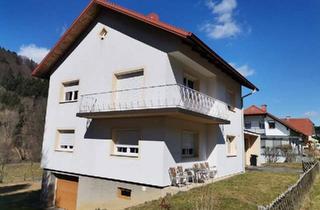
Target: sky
column 275, row 44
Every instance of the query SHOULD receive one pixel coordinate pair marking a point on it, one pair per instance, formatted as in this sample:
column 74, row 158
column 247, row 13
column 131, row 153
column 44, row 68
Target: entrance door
column 66, row 193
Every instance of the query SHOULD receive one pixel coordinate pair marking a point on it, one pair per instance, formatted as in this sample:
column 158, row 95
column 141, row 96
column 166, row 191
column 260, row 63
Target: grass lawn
column 284, row 165
column 19, row 191
column 21, row 172
column 312, row 200
column 244, row 191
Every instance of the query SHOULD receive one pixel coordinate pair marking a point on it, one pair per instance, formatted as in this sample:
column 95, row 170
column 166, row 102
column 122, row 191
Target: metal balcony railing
column 153, row 97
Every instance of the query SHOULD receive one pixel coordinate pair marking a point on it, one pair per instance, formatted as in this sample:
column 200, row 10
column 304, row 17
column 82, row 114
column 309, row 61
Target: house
column 129, row 97
column 274, row 131
column 304, row 125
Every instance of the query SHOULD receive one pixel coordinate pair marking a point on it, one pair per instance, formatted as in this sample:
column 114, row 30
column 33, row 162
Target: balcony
column 163, row 100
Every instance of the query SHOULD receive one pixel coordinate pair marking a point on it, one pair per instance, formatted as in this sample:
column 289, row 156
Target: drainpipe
column 242, row 121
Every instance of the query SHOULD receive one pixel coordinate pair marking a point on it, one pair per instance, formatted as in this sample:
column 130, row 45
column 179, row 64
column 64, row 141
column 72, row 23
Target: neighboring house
column 130, row 97
column 304, row 125
column 274, row 131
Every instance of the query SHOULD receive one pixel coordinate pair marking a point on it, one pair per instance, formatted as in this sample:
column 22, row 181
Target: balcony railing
column 154, row 97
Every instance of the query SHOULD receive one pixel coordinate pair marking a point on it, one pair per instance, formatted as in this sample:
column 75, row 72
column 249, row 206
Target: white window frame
column 231, row 145
column 194, row 80
column 272, row 121
column 67, row 147
column 124, row 149
column 195, row 145
column 71, row 87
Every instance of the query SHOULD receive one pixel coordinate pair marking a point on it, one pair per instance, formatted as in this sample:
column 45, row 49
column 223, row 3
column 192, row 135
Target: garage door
column 66, row 193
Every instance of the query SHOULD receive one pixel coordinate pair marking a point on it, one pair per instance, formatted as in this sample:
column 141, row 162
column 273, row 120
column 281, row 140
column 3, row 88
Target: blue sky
column 274, row 43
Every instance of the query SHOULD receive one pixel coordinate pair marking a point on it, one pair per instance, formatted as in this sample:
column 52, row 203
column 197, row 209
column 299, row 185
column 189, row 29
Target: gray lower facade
column 97, row 193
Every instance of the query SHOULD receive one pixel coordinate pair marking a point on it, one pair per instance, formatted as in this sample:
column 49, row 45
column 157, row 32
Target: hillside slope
column 22, row 109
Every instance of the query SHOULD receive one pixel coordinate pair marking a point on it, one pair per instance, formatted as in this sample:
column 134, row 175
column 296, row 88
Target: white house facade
column 130, row 97
column 274, row 132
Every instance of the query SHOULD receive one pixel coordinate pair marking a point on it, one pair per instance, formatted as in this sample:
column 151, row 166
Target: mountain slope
column 22, row 108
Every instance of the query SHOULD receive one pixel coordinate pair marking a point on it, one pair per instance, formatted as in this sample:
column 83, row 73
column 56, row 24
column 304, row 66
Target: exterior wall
column 280, row 130
column 255, row 123
column 254, row 148
column 94, row 193
column 93, row 62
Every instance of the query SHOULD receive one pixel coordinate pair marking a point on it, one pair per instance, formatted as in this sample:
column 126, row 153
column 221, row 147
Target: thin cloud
column 224, row 25
column 245, row 70
column 33, row 52
column 312, row 114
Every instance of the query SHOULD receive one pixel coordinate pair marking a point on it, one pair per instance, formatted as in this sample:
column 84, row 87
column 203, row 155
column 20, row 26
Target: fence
column 292, row 198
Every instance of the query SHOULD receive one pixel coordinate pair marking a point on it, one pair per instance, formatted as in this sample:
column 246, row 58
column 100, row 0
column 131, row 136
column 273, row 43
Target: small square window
column 65, row 140
column 272, row 125
column 124, row 193
column 70, row 91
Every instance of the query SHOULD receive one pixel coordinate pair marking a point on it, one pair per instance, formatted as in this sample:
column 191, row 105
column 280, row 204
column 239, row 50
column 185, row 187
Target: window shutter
column 128, row 137
column 188, row 140
column 67, row 137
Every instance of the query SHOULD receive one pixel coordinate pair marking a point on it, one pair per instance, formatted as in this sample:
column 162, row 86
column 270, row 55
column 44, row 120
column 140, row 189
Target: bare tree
column 6, row 126
column 271, row 154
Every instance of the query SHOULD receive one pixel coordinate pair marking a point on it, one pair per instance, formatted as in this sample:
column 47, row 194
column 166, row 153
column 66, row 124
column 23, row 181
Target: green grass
column 244, row 191
column 21, row 172
column 284, row 165
column 312, row 200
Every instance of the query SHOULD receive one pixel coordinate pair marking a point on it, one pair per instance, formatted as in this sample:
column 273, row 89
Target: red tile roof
column 254, row 110
column 47, row 65
column 304, row 125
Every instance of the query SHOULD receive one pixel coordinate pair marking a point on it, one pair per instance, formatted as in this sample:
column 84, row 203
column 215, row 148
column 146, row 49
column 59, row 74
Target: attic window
column 103, row 33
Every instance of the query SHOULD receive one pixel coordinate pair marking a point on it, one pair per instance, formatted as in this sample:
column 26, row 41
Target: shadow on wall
column 207, row 146
column 151, row 129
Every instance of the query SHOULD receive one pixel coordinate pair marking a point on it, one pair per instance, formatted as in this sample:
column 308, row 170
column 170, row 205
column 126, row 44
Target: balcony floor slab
column 176, row 112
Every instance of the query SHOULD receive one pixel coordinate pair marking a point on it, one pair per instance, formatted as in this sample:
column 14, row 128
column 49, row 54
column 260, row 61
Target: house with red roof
column 131, row 98
column 305, row 125
column 275, row 132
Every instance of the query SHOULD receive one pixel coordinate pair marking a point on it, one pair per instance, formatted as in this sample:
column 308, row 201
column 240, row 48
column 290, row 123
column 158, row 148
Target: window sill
column 126, row 156
column 232, row 155
column 61, row 150
column 67, row 102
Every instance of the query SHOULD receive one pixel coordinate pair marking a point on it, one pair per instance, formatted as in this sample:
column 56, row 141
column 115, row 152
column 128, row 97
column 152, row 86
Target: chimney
column 153, row 16
column 264, row 107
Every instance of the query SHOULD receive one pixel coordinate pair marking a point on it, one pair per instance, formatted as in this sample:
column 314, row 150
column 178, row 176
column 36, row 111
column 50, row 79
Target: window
column 231, row 100
column 272, row 125
column 231, row 146
column 124, row 193
column 190, row 82
column 261, row 124
column 247, row 125
column 65, row 140
column 70, row 91
column 189, row 144
column 126, row 142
